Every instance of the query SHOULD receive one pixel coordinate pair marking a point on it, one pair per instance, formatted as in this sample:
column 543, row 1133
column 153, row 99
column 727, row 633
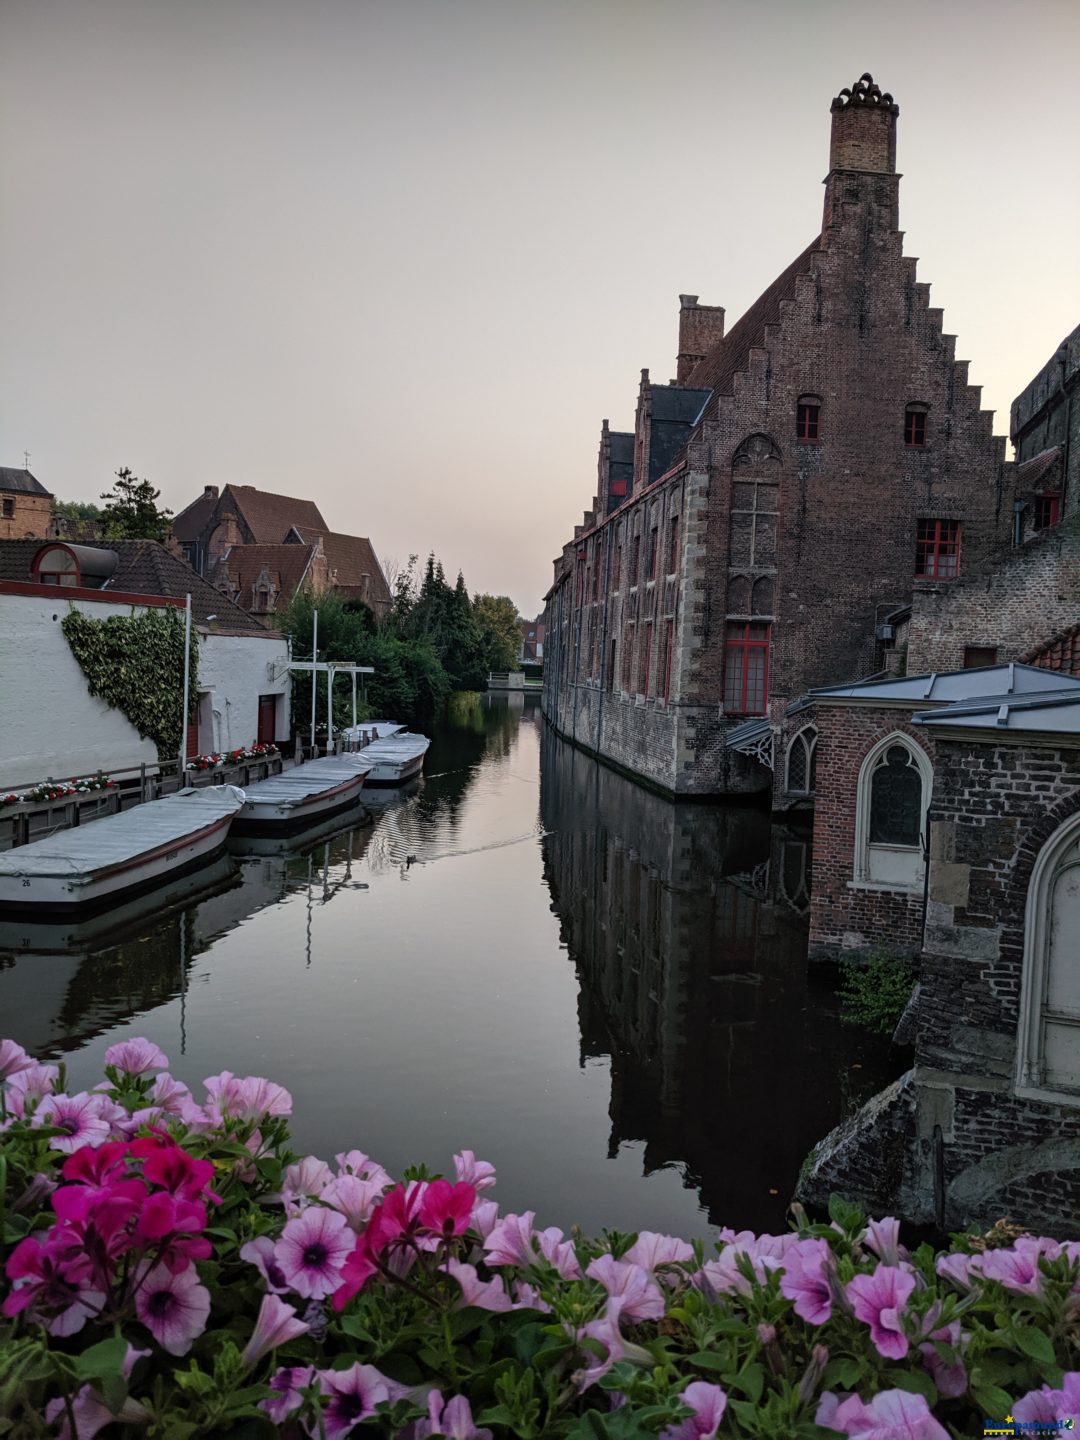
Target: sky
column 402, row 256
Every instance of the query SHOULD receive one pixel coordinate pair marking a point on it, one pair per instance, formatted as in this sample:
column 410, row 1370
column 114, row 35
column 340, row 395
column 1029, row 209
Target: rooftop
column 949, row 687
column 20, row 481
column 1054, row 712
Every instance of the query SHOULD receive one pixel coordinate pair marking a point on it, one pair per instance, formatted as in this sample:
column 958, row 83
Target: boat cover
column 114, row 839
column 395, row 749
column 377, row 729
column 292, row 787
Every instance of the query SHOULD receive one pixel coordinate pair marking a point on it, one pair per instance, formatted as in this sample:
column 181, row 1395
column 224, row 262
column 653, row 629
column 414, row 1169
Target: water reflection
column 599, row 991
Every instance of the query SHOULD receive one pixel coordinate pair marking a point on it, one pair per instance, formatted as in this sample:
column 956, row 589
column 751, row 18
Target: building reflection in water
column 687, row 926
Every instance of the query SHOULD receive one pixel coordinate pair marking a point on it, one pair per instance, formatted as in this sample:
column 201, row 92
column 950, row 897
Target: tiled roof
column 716, row 370
column 20, row 481
column 1032, row 471
column 241, row 567
column 1055, row 712
column 144, row 567
column 350, row 558
column 191, row 521
column 950, row 687
column 271, row 517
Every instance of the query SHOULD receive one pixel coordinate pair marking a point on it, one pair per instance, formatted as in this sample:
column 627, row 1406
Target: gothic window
column 893, row 795
column 937, row 549
column 762, row 600
column 739, row 595
column 646, row 661
column 1048, row 1058
column 654, row 548
column 915, row 425
column 673, row 545
column 616, row 566
column 808, row 418
column 635, row 560
column 802, row 762
column 754, row 507
column 746, row 669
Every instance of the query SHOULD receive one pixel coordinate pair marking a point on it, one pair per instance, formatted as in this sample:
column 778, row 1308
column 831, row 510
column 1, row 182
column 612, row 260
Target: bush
column 874, row 992
column 172, row 1267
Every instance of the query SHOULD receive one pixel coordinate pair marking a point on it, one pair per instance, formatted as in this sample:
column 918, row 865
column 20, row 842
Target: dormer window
column 56, row 566
column 808, row 418
column 915, row 425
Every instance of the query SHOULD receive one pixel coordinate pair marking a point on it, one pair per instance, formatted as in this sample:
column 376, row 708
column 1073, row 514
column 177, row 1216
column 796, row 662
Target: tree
column 131, row 511
column 500, row 631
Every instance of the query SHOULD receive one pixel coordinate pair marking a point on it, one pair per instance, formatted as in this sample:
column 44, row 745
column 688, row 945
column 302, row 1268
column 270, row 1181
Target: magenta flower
column 484, row 1294
column 708, row 1403
column 13, row 1058
column 891, row 1415
column 353, row 1197
column 641, row 1295
column 653, row 1250
column 174, row 1308
column 54, row 1279
column 136, row 1057
column 305, row 1181
column 80, row 1119
column 949, row 1375
column 352, row 1395
column 286, row 1385
column 883, row 1238
column 1017, row 1268
column 878, row 1301
column 806, row 1280
column 956, row 1268
column 1047, row 1405
column 452, row 1418
column 277, row 1323
column 312, row 1251
column 477, row 1173
column 447, row 1208
column 511, row 1241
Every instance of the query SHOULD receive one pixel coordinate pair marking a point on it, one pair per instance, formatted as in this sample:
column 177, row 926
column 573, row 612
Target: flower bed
column 57, row 790
column 231, row 757
column 172, row 1269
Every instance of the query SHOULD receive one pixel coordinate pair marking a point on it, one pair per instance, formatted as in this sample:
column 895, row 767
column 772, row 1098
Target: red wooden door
column 267, row 719
column 193, row 738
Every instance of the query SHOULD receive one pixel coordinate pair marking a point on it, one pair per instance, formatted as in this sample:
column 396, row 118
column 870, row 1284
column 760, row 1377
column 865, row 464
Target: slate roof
column 270, row 517
column 747, row 734
column 242, row 565
column 144, row 567
column 950, row 687
column 716, row 371
column 191, row 521
column 1032, row 471
column 21, row 482
column 1055, row 712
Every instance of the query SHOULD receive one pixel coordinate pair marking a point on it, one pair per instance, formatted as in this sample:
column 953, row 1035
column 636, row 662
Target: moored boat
column 299, row 798
column 372, row 730
column 91, row 865
column 395, row 759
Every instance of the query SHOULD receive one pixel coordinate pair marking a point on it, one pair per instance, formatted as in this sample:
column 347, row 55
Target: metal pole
column 329, row 708
column 354, row 699
column 187, row 684
column 314, row 673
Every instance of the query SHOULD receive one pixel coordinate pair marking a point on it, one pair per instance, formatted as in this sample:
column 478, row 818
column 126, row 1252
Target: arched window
column 915, row 425
column 739, row 595
column 808, row 418
column 56, row 565
column 802, row 762
column 1048, row 1048
column 890, row 820
column 762, row 601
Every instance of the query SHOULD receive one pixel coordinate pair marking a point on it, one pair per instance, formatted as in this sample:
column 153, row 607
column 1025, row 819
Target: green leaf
column 101, row 1360
column 844, row 1372
column 716, row 1360
column 750, row 1380
column 990, row 1400
column 916, row 1382
column 1035, row 1342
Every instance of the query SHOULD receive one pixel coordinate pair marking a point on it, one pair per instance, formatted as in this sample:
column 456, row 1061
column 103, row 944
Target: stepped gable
column 717, row 371
column 285, row 567
column 349, row 558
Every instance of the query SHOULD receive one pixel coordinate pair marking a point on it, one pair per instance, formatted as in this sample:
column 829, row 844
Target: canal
column 530, row 956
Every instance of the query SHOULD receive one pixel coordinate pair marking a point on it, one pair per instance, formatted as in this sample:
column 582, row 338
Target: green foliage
column 135, row 663
column 80, row 517
column 500, row 630
column 873, row 992
column 131, row 511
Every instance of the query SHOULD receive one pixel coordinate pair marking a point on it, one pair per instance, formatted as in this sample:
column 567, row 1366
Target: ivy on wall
column 135, row 663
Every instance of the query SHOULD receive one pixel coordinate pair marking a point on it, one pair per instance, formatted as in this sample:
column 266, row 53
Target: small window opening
column 915, row 425
column 1046, row 511
column 808, row 418
column 937, row 549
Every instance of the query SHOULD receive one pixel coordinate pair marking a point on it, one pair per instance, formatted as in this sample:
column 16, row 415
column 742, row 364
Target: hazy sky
column 403, row 257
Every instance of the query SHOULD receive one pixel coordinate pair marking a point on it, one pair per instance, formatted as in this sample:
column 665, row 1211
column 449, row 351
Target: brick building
column 988, row 1121
column 26, row 507
column 805, row 472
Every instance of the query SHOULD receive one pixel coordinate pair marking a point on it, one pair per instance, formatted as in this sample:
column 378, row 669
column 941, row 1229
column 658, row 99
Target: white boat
column 90, row 865
column 303, row 796
column 371, row 730
column 396, row 759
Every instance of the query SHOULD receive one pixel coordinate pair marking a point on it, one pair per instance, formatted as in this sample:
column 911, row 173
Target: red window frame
column 914, row 427
column 71, row 579
column 646, row 662
column 937, row 550
column 746, row 668
column 617, row 488
column 1046, row 511
column 807, row 421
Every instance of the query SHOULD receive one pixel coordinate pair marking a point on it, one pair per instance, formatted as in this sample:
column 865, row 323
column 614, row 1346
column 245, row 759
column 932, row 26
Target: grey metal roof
column 676, row 402
column 742, row 737
column 952, row 686
column 1054, row 712
column 20, row 481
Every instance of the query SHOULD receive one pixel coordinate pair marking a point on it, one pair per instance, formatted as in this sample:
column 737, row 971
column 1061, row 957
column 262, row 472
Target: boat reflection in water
column 687, row 926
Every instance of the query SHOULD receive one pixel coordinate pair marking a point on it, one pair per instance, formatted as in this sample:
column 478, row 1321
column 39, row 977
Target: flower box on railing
column 50, row 790
column 219, row 759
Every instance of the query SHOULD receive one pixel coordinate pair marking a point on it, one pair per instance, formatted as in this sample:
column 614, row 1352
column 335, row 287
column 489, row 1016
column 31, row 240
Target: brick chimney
column 700, row 328
column 862, row 145
column 210, row 492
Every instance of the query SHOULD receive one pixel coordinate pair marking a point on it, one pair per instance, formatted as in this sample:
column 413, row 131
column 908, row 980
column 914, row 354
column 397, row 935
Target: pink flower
column 1047, row 1405
column 653, row 1250
column 277, row 1323
column 806, row 1280
column 883, row 1238
column 312, row 1252
column 27, row 1087
column 172, row 1168
column 355, row 1162
column 286, row 1384
column 13, row 1058
column 485, row 1217
column 1017, row 1268
column 447, row 1208
column 708, row 1403
column 354, row 1198
column 878, row 1300
column 949, row 1375
column 55, row 1279
column 249, row 1100
column 511, row 1241
column 477, row 1173
column 483, row 1294
column 170, row 1094
column 559, row 1252
column 891, row 1415
column 452, row 1418
column 528, row 1297
column 260, row 1253
column 174, row 1308
column 90, row 1411
column 642, row 1297
column 605, row 1330
column 956, row 1268
column 724, row 1276
column 305, row 1181
column 136, row 1057
column 352, row 1395
column 82, row 1119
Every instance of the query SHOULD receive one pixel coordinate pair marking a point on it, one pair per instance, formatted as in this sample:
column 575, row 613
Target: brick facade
column 807, row 539
column 26, row 507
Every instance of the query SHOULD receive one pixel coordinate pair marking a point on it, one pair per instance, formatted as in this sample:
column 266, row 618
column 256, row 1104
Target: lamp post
column 187, row 686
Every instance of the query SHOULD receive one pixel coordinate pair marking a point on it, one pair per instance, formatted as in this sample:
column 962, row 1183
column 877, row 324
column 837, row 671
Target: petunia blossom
column 653, row 1250
column 350, row 1396
column 355, row 1162
column 883, row 1238
column 1017, row 1267
column 452, row 1418
column 312, row 1251
column 890, row 1415
column 354, row 1198
column 708, row 1402
column 306, row 1180
column 446, row 1208
column 949, row 1375
column 276, row 1324
column 806, row 1280
column 287, row 1384
column 90, row 1411
column 483, row 1294
column 559, row 1252
column 480, row 1174
column 956, row 1268
column 81, row 1120
column 511, row 1241
column 606, row 1331
column 1049, row 1404
column 13, row 1058
column 260, row 1253
column 250, row 1099
column 136, row 1057
column 174, row 1308
column 878, row 1300
column 641, row 1295
column 724, row 1275
column 28, row 1086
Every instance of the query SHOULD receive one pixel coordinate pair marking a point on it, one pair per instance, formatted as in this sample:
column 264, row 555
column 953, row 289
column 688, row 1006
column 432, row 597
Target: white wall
column 233, row 674
column 50, row 724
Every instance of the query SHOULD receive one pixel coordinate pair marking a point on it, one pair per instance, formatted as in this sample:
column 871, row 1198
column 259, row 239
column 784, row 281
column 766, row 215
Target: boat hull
column 385, row 773
column 285, row 814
